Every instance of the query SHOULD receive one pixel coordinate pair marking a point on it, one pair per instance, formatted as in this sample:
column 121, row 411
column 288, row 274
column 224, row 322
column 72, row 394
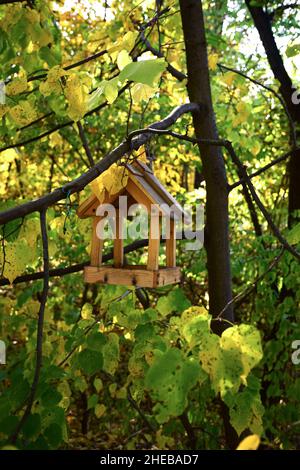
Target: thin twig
column 264, row 168
column 244, row 175
column 85, row 144
column 268, row 88
column 189, row 430
column 242, row 295
column 176, row 73
column 139, row 411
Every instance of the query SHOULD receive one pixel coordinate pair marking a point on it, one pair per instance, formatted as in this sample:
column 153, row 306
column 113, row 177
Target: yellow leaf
column 141, row 154
column 16, row 86
column 256, row 148
column 52, row 83
column 115, row 178
column 76, row 94
column 112, row 180
column 98, row 384
column 142, row 92
column 228, row 78
column 3, row 110
column 15, row 262
column 100, row 410
column 127, row 42
column 55, row 140
column 29, row 231
column 86, row 312
column 9, row 155
column 213, row 61
column 23, row 113
column 111, row 91
column 249, row 443
column 123, row 59
column 129, row 39
column 97, row 189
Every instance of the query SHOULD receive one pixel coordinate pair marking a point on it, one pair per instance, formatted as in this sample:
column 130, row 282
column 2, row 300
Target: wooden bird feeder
column 142, row 188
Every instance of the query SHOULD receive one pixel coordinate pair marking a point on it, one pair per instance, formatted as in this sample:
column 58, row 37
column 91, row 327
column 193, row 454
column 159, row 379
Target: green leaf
column 8, row 424
column 108, row 89
column 169, row 380
column 92, row 401
column 144, row 71
column 111, row 90
column 294, row 235
column 195, row 326
column 111, row 354
column 50, row 397
column 53, row 435
column 292, row 51
column 228, row 360
column 246, row 409
column 54, row 415
column 90, row 361
column 175, row 301
column 96, row 341
column 32, row 426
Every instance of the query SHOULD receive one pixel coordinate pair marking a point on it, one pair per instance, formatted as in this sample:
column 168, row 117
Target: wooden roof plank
column 148, row 184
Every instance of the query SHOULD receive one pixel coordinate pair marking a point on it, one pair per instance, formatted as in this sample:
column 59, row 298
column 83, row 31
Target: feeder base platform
column 138, row 276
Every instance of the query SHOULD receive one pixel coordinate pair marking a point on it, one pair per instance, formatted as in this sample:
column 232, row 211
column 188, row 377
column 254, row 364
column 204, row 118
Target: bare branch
column 71, row 66
column 266, row 167
column 40, row 327
column 242, row 295
column 138, row 410
column 176, row 73
column 59, row 126
column 60, row 272
column 244, row 176
column 85, row 144
column 268, row 88
column 110, row 158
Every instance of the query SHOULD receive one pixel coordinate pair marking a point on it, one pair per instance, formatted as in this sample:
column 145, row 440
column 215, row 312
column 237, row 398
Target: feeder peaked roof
column 143, row 188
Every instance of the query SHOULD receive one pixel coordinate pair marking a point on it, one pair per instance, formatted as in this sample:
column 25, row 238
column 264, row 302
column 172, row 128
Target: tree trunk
column 216, row 230
column 262, row 22
column 217, row 220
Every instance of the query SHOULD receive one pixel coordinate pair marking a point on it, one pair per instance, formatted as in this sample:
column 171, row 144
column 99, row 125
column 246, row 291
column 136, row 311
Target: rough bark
column 217, row 220
column 217, row 239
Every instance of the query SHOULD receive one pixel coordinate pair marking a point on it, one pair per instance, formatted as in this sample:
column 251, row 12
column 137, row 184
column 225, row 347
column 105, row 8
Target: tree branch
column 242, row 295
column 138, row 410
column 71, row 66
column 40, row 327
column 266, row 167
column 85, row 144
column 244, row 176
column 189, row 430
column 176, row 73
column 79, row 183
column 271, row 90
column 60, row 272
column 59, row 126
